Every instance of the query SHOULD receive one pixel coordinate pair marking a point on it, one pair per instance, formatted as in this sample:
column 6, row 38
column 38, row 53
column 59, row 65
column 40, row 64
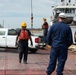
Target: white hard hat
column 62, row 15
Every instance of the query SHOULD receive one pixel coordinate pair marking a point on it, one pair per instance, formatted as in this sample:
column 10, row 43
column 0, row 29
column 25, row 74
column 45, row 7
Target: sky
column 14, row 12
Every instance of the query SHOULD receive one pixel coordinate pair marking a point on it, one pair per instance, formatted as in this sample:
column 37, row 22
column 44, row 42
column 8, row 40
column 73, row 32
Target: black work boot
column 25, row 62
column 48, row 74
column 19, row 61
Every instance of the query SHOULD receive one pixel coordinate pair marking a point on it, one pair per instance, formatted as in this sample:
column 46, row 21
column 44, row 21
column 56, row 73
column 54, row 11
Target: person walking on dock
column 23, row 36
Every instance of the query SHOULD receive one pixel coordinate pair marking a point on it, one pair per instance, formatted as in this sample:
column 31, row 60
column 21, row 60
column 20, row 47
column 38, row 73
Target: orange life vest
column 44, row 26
column 24, row 35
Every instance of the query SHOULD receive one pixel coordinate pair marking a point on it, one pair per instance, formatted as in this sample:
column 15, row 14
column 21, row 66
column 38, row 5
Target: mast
column 31, row 16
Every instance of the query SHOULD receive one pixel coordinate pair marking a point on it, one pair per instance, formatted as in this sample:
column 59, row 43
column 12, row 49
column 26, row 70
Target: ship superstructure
column 68, row 8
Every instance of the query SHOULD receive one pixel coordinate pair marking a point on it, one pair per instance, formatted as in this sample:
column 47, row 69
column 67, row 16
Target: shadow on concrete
column 14, row 50
column 11, row 50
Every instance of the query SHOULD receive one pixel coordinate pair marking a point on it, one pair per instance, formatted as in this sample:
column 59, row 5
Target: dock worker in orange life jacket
column 45, row 29
column 23, row 36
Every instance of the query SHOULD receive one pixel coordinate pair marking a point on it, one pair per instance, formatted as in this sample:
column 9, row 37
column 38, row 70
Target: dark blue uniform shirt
column 59, row 34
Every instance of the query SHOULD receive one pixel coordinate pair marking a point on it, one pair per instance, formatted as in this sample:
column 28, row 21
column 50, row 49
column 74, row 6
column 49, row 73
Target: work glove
column 16, row 44
column 31, row 43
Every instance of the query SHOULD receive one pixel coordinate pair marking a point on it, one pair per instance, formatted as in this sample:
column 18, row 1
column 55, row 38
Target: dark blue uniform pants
column 23, row 51
column 45, row 31
column 59, row 54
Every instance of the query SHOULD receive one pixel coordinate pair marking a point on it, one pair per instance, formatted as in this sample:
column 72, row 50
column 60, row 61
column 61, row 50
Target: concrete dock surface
column 37, row 63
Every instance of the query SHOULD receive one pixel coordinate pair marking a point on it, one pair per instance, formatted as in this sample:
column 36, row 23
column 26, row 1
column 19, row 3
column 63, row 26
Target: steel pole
column 3, row 23
column 31, row 16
